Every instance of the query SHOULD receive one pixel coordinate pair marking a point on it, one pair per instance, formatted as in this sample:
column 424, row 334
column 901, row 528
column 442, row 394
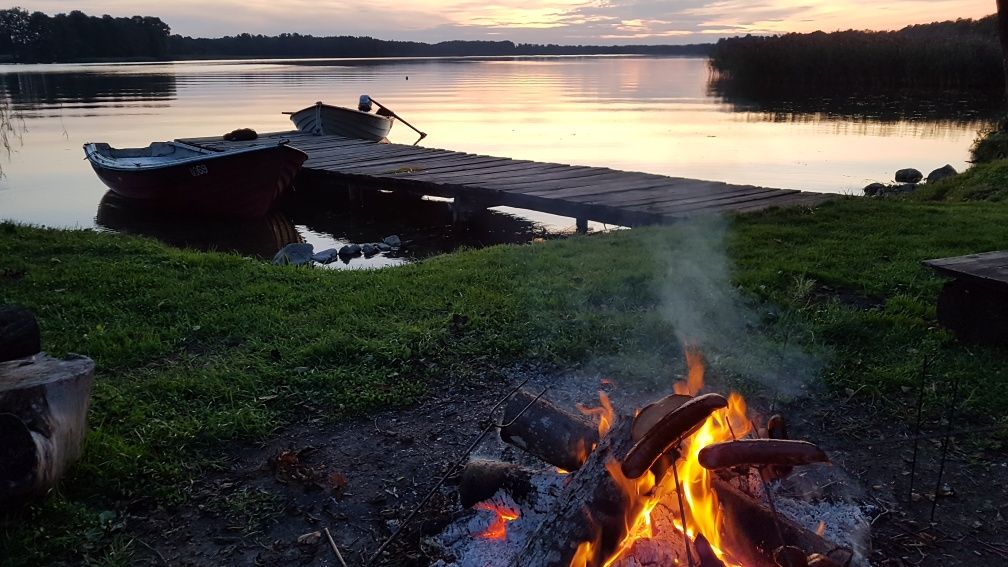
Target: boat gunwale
column 97, row 158
column 344, row 109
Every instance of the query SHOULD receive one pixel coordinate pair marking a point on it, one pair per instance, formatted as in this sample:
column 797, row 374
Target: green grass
column 195, row 349
column 982, row 182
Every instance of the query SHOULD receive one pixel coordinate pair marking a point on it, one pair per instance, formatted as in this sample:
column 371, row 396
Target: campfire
column 687, row 480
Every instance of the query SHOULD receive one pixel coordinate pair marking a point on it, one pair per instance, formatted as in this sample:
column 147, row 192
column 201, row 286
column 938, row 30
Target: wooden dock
column 478, row 181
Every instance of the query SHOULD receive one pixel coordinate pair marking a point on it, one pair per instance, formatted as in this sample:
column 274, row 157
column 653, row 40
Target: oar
column 390, row 111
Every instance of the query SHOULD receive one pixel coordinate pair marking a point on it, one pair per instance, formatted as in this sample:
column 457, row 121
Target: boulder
column 909, row 175
column 393, row 241
column 296, row 254
column 942, row 173
column 383, row 247
column 350, row 250
column 874, row 189
column 327, row 256
column 369, row 250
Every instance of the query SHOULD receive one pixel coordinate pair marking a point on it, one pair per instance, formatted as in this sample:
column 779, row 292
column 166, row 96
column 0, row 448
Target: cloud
column 548, row 21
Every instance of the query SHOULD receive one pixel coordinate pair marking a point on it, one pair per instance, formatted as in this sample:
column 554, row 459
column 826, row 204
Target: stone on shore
column 393, row 241
column 350, row 250
column 369, row 250
column 327, row 256
column 942, row 173
column 297, row 254
column 874, row 189
column 909, row 175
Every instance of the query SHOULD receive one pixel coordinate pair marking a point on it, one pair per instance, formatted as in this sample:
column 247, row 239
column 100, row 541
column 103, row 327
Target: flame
column 497, row 530
column 604, row 413
column 702, row 511
column 585, row 552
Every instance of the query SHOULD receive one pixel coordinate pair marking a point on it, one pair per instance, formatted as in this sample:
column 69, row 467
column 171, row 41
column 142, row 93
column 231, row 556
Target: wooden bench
column 974, row 305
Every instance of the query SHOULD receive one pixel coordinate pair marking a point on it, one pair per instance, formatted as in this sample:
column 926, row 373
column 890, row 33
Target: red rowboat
column 181, row 177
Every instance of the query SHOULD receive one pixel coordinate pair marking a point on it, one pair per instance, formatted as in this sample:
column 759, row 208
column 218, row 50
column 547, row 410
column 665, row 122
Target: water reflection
column 928, row 112
column 332, row 217
column 87, row 90
column 259, row 238
column 327, row 217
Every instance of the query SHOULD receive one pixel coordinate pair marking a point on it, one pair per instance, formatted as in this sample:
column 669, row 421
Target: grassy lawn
column 195, row 349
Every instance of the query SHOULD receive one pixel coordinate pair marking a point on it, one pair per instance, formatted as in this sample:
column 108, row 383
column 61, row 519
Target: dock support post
column 581, row 224
column 464, row 209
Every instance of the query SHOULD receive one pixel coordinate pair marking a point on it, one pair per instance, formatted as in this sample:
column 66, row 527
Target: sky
column 597, row 22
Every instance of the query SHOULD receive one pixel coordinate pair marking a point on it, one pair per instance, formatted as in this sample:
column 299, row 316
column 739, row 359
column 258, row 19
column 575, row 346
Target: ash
column 459, row 544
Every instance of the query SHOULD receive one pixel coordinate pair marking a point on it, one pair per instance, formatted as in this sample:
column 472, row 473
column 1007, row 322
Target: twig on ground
column 917, row 428
column 332, row 544
column 945, row 444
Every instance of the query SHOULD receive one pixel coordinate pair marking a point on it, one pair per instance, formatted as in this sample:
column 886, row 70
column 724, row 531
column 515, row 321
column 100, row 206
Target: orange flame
column 603, row 414
column 583, row 555
column 497, row 530
column 702, row 511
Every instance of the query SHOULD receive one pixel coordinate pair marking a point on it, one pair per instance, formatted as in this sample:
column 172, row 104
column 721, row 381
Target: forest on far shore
column 39, row 38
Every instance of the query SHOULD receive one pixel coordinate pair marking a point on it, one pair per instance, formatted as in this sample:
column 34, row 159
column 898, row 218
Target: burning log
column 43, row 412
column 556, row 436
column 19, row 333
column 590, row 511
column 482, row 478
column 750, row 527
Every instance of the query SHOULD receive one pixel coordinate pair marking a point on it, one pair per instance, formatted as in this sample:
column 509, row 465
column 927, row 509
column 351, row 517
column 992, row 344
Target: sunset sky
column 553, row 21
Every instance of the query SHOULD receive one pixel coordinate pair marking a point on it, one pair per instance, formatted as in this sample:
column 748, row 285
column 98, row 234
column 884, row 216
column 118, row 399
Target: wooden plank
column 444, row 160
column 352, row 160
column 745, row 202
column 665, row 198
column 504, row 177
column 410, row 166
column 990, row 268
column 606, row 185
column 474, row 177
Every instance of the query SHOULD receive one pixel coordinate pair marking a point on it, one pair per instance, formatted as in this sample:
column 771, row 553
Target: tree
column 1002, row 9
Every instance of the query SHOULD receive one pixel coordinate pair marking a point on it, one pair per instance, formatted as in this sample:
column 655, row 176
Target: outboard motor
column 365, row 103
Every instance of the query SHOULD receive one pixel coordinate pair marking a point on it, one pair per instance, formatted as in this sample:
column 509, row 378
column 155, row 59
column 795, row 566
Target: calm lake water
column 658, row 115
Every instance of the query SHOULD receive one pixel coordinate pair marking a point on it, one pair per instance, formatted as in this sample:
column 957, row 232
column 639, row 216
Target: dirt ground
column 361, row 478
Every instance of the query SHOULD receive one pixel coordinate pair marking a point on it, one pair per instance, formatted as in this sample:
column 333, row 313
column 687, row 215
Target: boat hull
column 338, row 121
column 243, row 185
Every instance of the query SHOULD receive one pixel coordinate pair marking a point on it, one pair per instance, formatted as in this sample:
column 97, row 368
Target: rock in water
column 383, row 247
column 296, row 254
column 909, row 175
column 942, row 173
column 393, row 241
column 326, row 256
column 350, row 250
column 369, row 250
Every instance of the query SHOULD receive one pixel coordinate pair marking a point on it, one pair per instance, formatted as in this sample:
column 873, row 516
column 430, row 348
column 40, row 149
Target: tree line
column 959, row 53
column 39, row 38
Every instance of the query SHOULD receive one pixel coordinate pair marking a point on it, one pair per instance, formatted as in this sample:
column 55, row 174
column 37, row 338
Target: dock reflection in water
column 329, row 218
column 260, row 238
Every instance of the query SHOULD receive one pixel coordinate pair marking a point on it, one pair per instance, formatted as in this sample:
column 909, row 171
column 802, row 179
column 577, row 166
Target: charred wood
column 19, row 333
column 555, row 435
column 482, row 478
column 591, row 508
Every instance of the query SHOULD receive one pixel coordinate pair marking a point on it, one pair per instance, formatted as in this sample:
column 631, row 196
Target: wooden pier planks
column 598, row 193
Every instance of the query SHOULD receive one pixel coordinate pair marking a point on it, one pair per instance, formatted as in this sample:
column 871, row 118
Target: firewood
column 482, row 478
column 43, row 417
column 590, row 508
column 556, row 436
column 19, row 333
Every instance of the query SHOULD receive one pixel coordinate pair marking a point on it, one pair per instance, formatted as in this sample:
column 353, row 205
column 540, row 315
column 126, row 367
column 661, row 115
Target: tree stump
column 43, row 417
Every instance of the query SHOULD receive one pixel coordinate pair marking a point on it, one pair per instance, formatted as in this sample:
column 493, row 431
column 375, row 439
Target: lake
column 657, row 115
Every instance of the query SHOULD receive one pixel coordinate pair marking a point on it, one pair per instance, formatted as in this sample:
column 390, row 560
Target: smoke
column 707, row 311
